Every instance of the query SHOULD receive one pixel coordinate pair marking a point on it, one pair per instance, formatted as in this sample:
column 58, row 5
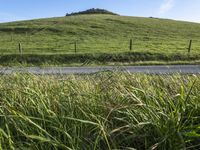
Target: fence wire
column 31, row 44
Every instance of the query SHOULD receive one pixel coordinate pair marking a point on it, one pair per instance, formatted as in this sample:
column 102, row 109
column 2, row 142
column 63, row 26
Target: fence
column 57, row 45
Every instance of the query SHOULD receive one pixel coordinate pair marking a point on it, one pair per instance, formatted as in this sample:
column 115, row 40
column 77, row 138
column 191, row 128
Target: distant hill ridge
column 92, row 11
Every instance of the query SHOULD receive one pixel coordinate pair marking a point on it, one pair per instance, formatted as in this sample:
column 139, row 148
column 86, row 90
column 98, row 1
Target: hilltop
column 92, row 11
column 95, row 35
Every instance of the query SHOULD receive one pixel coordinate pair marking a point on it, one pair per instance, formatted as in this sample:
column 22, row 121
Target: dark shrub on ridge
column 92, row 11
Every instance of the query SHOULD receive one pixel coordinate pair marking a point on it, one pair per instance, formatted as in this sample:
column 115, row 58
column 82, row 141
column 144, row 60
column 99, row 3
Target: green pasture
column 99, row 34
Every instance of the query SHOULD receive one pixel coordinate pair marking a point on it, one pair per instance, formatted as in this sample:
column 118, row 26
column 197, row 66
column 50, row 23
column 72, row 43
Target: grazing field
column 99, row 35
column 100, row 111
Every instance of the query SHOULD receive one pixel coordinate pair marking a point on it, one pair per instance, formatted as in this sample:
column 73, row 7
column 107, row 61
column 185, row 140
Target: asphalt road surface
column 164, row 69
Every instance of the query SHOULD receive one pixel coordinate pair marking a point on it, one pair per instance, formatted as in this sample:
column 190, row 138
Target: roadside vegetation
column 98, row 35
column 100, row 111
column 87, row 59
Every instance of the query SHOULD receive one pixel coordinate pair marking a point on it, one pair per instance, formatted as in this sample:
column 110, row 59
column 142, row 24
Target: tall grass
column 128, row 58
column 100, row 111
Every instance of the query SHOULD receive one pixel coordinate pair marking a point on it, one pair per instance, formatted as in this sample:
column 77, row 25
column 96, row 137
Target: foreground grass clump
column 101, row 111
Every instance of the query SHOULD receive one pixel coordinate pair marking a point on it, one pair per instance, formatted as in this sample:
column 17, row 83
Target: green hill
column 101, row 34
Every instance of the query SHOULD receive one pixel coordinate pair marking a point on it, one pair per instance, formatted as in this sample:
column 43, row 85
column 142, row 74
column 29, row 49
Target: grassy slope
column 100, row 34
column 102, row 111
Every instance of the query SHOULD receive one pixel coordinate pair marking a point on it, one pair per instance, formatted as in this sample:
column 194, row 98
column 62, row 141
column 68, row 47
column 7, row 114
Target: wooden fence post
column 190, row 46
column 26, row 36
column 20, row 48
column 131, row 44
column 75, row 46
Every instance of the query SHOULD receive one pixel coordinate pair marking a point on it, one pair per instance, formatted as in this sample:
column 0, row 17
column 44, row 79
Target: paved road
column 184, row 69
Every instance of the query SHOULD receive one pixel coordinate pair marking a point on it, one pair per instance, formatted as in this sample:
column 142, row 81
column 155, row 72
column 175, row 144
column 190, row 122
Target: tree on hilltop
column 92, row 11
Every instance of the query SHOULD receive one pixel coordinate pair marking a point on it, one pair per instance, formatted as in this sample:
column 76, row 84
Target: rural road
column 164, row 69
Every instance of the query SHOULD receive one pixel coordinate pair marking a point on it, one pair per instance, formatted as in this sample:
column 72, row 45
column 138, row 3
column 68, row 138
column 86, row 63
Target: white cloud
column 166, row 6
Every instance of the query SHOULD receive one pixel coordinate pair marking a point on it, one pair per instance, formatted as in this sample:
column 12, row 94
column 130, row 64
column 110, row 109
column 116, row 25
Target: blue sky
column 12, row 10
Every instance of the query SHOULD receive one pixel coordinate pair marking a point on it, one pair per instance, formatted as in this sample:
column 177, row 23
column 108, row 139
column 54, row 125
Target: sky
column 14, row 10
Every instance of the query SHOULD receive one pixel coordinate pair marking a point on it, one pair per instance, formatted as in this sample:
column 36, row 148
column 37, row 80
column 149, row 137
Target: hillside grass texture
column 100, row 34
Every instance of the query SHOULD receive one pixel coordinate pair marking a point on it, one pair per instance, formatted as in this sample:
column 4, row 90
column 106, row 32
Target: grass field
column 100, row 111
column 100, row 34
